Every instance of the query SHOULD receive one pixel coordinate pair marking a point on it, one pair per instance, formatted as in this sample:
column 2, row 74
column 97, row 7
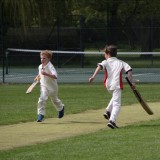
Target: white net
column 21, row 65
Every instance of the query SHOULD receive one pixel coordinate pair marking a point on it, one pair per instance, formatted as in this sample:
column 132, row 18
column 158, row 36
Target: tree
column 133, row 19
column 136, row 19
column 33, row 12
column 26, row 13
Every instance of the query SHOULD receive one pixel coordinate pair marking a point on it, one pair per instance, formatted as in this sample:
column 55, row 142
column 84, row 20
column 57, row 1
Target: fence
column 21, row 65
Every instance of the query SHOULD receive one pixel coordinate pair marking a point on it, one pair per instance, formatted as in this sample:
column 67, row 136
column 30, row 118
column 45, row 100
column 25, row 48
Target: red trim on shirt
column 121, row 82
column 105, row 77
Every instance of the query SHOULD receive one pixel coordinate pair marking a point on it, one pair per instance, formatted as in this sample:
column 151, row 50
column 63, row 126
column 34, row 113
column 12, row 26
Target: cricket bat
column 32, row 86
column 140, row 99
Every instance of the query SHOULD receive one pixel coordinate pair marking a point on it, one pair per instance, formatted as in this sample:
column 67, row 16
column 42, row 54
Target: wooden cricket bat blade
column 32, row 86
column 140, row 99
column 142, row 102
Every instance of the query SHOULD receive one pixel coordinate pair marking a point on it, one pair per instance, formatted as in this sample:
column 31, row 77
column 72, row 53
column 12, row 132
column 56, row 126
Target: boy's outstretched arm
column 95, row 73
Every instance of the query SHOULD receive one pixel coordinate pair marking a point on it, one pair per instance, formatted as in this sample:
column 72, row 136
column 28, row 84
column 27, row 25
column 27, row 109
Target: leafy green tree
column 26, row 13
column 136, row 19
column 33, row 12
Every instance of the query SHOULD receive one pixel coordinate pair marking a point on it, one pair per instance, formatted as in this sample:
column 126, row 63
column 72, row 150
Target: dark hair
column 111, row 49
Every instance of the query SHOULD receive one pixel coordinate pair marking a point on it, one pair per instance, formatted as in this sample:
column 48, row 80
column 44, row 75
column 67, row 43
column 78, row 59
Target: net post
column 82, row 60
column 3, row 65
column 152, row 58
column 2, row 39
column 6, row 56
column 58, row 60
column 81, row 39
column 58, row 41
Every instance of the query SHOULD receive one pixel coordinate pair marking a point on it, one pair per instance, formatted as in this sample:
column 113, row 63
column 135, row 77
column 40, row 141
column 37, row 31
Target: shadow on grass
column 71, row 122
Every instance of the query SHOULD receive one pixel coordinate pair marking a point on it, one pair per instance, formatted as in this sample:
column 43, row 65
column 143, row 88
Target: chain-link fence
column 20, row 66
column 74, row 34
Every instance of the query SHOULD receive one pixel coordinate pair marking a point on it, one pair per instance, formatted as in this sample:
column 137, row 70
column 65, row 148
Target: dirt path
column 24, row 134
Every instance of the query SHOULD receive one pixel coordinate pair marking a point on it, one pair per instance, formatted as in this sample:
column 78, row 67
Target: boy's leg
column 110, row 106
column 41, row 104
column 59, row 106
column 57, row 103
column 116, row 102
column 108, row 111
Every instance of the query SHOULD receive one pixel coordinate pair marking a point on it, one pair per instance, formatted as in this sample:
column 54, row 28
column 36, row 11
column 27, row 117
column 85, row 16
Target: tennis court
column 144, row 69
column 77, row 75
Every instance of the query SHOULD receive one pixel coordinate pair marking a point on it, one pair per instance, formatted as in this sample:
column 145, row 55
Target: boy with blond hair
column 48, row 86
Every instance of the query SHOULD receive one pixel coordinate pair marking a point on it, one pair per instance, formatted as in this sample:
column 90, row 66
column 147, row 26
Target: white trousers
column 45, row 93
column 114, row 104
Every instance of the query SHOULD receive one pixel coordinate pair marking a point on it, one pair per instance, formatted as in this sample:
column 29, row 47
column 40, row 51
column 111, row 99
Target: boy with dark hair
column 113, row 82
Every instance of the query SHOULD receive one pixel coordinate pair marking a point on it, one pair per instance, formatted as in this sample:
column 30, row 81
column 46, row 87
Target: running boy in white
column 113, row 82
column 48, row 86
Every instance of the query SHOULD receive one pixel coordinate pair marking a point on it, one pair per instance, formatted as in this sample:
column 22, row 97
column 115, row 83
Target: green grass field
column 135, row 142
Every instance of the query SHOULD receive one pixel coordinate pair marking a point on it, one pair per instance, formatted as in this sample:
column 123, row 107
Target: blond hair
column 46, row 53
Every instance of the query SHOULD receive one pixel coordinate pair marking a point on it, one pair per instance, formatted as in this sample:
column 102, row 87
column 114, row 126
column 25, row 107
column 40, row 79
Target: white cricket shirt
column 46, row 81
column 113, row 72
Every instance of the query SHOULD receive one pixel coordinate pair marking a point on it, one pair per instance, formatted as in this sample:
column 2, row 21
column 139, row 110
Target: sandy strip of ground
column 24, row 134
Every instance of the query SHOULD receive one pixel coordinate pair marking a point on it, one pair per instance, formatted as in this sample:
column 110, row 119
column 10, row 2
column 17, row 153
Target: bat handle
column 129, row 82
